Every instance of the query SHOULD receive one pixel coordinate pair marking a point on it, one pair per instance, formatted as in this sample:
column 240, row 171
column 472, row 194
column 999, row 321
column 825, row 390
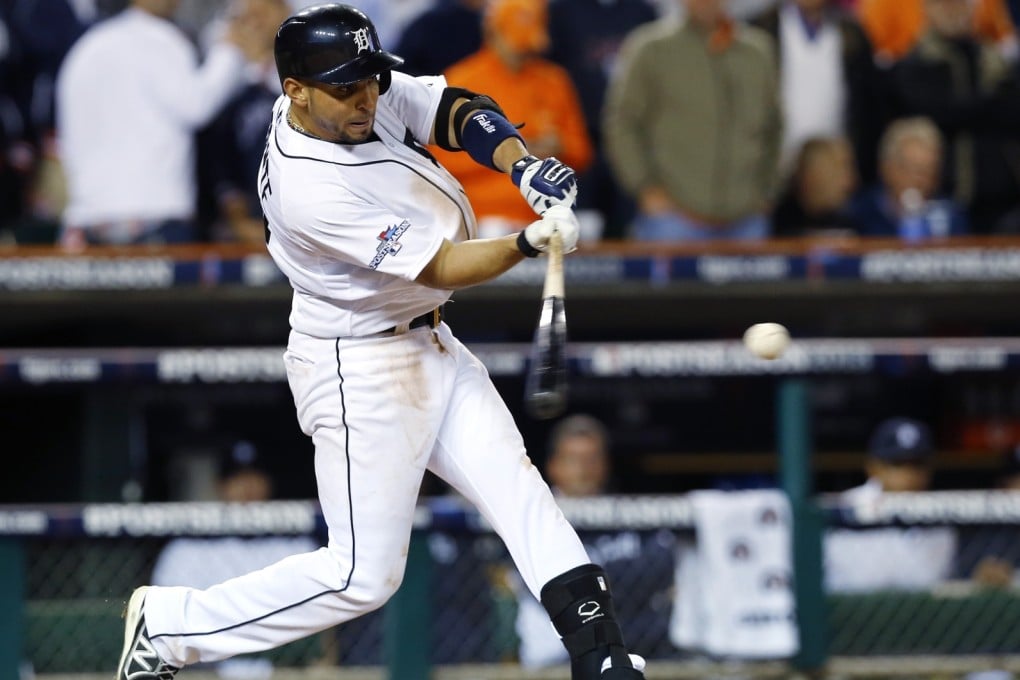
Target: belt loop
column 436, row 316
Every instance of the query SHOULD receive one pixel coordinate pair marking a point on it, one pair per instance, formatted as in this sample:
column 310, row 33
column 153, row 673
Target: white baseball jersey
column 352, row 252
column 352, row 226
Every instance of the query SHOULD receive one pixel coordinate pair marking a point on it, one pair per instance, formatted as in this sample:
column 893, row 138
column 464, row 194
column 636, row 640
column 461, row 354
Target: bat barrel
column 546, row 383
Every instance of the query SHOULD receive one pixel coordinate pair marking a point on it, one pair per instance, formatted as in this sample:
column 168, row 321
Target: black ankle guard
column 580, row 605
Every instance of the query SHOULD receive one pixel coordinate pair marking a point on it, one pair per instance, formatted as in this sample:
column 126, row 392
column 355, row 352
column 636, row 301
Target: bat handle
column 554, row 268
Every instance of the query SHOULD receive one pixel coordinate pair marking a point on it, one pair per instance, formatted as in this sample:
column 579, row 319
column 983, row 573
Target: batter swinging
column 374, row 235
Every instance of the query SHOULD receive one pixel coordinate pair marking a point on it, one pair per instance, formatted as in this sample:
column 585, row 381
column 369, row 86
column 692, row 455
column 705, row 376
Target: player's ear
column 296, row 91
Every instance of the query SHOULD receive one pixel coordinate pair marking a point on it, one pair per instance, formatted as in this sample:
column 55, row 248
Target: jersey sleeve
column 360, row 233
column 415, row 102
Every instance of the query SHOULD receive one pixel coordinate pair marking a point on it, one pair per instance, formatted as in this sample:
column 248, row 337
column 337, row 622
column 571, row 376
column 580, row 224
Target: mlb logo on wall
column 388, row 242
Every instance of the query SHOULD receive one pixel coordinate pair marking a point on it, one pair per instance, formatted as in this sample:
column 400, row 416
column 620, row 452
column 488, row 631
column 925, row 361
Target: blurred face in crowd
column 908, row 476
column 810, row 7
column 827, row 176
column 264, row 16
column 517, row 29
column 707, row 13
column 335, row 113
column 950, row 18
column 246, row 486
column 914, row 164
column 161, row 8
column 579, row 466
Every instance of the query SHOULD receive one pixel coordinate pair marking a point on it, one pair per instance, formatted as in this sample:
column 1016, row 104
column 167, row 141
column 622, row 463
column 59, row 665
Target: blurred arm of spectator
column 193, row 95
column 630, row 102
column 231, row 147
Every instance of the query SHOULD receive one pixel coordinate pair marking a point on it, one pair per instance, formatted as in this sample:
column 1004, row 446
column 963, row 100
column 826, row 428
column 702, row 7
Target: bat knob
column 546, row 405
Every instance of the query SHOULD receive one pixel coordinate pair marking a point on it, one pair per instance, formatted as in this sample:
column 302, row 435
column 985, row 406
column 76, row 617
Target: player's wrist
column 517, row 168
column 525, row 246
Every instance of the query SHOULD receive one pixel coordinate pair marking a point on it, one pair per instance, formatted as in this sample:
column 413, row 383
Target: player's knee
column 382, row 594
column 375, row 590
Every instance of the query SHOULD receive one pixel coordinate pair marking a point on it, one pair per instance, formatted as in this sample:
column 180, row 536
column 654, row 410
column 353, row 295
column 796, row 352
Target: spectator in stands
column 38, row 35
column 906, row 202
column 230, row 148
column 130, row 99
column 968, row 90
column 585, row 39
column 531, row 90
column 895, row 26
column 899, row 460
column 12, row 134
column 693, row 126
column 817, row 199
column 439, row 37
column 829, row 82
column 204, row 562
column 578, row 466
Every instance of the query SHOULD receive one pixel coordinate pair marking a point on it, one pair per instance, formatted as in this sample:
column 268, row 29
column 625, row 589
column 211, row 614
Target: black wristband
column 525, row 247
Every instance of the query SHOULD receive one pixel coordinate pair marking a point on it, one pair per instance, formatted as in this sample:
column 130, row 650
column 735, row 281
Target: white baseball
column 767, row 340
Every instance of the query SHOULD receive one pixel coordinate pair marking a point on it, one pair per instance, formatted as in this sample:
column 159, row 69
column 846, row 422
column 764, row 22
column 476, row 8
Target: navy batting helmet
column 333, row 44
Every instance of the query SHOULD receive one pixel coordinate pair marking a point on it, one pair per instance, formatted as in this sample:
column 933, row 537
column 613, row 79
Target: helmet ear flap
column 385, row 78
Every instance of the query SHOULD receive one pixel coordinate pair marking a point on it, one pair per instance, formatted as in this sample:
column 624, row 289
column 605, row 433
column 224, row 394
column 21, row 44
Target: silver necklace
column 295, row 126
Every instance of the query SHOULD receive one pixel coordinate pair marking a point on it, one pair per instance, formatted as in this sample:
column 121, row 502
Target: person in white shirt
column 900, row 453
column 130, row 96
column 374, row 236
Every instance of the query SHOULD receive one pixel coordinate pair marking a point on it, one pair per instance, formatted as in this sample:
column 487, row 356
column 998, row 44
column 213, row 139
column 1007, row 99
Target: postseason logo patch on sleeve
column 388, row 243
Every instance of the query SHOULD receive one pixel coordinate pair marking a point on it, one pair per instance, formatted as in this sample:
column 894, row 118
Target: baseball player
column 374, row 235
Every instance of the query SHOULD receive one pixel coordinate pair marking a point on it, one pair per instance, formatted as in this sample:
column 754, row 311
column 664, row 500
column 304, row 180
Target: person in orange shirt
column 530, row 89
column 895, row 25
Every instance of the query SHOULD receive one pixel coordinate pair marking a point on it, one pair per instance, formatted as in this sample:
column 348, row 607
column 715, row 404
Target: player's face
column 343, row 113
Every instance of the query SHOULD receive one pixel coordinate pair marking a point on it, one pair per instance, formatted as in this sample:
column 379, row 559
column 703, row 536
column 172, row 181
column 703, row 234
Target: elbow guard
column 485, row 129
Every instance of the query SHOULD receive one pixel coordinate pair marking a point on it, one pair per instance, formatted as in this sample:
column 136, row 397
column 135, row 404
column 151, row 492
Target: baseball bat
column 545, row 386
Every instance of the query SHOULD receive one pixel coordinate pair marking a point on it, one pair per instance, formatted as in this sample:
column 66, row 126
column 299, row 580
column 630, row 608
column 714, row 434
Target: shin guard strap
column 580, row 583
column 599, row 634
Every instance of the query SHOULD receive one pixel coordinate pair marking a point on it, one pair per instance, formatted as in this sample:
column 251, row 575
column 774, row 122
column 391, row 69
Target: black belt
column 430, row 319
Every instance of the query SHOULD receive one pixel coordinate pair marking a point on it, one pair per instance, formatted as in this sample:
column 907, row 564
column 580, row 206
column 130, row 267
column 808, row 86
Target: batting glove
column 544, row 183
column 535, row 237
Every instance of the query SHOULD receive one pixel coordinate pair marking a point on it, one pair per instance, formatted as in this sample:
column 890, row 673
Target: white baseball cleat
column 611, row 672
column 140, row 660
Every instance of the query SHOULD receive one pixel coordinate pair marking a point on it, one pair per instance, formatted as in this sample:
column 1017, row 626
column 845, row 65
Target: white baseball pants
column 380, row 410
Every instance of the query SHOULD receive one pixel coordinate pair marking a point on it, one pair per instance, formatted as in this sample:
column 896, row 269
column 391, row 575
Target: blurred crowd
column 143, row 121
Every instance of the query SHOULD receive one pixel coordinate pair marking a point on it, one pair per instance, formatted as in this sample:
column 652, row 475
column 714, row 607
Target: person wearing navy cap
column 900, row 454
column 899, row 460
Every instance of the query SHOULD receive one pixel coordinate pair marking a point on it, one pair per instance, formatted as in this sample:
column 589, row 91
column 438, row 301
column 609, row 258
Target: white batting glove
column 535, row 237
column 544, row 183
